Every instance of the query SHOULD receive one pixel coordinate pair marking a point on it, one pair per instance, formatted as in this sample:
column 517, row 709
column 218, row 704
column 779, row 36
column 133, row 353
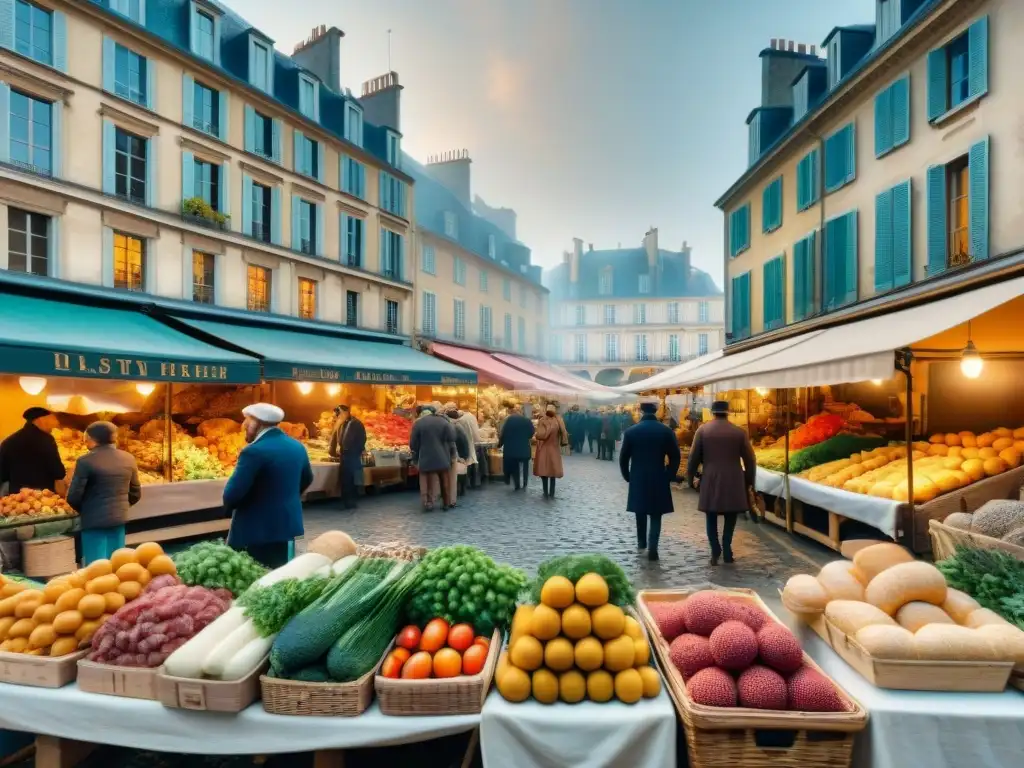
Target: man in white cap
column 264, row 494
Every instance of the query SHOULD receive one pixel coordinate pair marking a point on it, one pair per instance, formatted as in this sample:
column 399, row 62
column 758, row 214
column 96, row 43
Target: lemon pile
column 576, row 645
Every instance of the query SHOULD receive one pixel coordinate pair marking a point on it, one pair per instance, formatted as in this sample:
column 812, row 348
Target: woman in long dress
column 551, row 435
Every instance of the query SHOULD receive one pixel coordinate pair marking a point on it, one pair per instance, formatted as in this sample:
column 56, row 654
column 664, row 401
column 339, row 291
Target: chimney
column 566, row 257
column 320, row 54
column 651, row 246
column 452, row 170
column 780, row 64
column 686, row 260
column 574, row 265
column 590, row 247
column 382, row 101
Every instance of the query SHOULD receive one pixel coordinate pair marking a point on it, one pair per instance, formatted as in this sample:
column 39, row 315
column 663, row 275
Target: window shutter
column 884, row 242
column 768, row 294
column 343, row 238
column 936, row 219
column 246, row 205
column 815, row 176
column 938, row 84
column 188, row 96
column 297, row 164
column 225, row 116
column 225, row 191
column 900, row 111
column 977, row 53
column 275, row 136
column 53, row 252
column 851, row 276
column 883, row 122
column 833, row 247
column 385, row 191
column 107, row 257
column 250, row 129
column 152, row 169
column 811, row 273
column 57, row 139
column 296, row 234
column 275, row 216
column 361, row 174
column 849, row 153
column 799, row 279
column 151, row 78
column 978, row 173
column 320, row 250
column 109, row 137
column 320, row 160
column 7, row 23
column 60, row 41
column 188, row 175
column 5, row 122
column 746, row 304
column 109, row 63
column 902, row 243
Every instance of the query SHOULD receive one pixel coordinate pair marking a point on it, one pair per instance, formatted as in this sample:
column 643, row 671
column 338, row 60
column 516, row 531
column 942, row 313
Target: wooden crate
column 945, row 539
column 209, row 695
column 295, row 697
column 39, row 671
column 111, row 680
column 48, row 557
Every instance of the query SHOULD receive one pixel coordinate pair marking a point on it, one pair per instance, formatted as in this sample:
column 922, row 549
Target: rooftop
column 678, row 279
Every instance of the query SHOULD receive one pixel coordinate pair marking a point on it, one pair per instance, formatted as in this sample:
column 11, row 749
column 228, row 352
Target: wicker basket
column 744, row 738
column 463, row 695
column 945, row 540
column 48, row 557
column 294, row 697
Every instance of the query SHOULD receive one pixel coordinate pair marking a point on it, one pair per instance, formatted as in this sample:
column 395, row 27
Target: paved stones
column 587, row 515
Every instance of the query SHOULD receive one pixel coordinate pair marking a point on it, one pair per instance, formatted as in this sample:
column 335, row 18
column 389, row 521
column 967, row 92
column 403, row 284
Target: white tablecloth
column 71, row 714
column 877, row 512
column 584, row 735
column 767, row 481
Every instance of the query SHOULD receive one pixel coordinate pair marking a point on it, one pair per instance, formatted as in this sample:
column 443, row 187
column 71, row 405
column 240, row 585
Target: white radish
column 247, row 659
column 299, row 568
column 228, row 648
column 344, row 564
column 325, row 571
column 188, row 660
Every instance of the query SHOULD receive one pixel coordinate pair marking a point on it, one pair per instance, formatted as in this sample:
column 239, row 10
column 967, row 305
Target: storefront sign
column 315, row 374
column 288, row 372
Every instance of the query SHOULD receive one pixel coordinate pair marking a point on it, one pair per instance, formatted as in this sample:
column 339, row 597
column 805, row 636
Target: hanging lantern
column 32, row 385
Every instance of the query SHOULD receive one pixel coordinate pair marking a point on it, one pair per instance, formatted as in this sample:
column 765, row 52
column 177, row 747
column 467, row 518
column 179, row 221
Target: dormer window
column 604, row 282
column 835, row 71
column 204, row 31
column 353, row 123
column 133, row 9
column 394, row 149
column 492, row 247
column 309, row 96
column 451, row 225
column 261, row 64
column 645, row 283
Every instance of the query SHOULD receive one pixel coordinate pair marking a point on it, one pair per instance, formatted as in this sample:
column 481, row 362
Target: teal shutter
column 297, row 164
column 833, row 259
column 152, row 168
column 937, row 220
column 978, row 189
column 60, row 41
column 109, row 64
column 275, row 131
column 883, row 242
column 188, row 97
column 188, row 175
column 361, row 180
column 275, row 216
column 320, row 161
column 735, row 309
column 5, row 123
column 109, row 138
column 151, row 79
column 977, row 54
column 849, row 153
column 771, row 206
column 883, row 122
column 250, row 129
column 811, row 273
column 772, row 294
column 902, row 243
column 343, row 238
column 815, row 171
column 799, row 279
column 938, row 84
column 296, row 234
column 900, row 111
column 246, row 205
column 851, row 273
column 319, row 250
column 57, row 139
column 383, row 265
column 802, row 183
column 746, row 304
column 385, row 191
column 7, row 24
column 225, row 116
column 224, row 204
column 54, row 251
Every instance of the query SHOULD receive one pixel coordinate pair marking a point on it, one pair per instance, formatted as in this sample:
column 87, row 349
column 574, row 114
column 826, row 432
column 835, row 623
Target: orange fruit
column 418, row 666
column 474, row 659
column 121, row 557
column 484, row 641
column 434, row 636
column 146, row 552
column 460, row 637
column 447, row 663
column 161, row 565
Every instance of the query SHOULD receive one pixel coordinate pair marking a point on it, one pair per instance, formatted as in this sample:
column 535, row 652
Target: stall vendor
column 29, row 458
column 348, row 442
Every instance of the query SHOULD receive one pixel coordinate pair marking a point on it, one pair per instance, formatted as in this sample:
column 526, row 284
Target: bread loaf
column 851, row 616
column 948, row 642
column 884, row 641
column 901, row 584
column 839, row 582
column 916, row 614
column 1008, row 640
column 871, row 561
column 959, row 605
column 984, row 617
column 803, row 594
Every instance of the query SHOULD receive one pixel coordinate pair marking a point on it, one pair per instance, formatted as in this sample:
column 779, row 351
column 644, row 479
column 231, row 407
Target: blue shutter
column 746, row 304
column 246, row 205
column 938, row 84
column 815, row 178
column 834, row 249
column 320, row 250
column 902, row 243
column 188, row 175
column 936, row 219
column 883, row 242
column 883, row 122
column 735, row 309
column 297, row 165
column 225, row 116
column 320, row 160
column 850, row 261
column 343, row 238
column 275, row 216
column 7, row 24
column 383, row 250
column 811, row 274
column 977, row 53
column 385, row 191
column 151, row 78
column 849, row 153
column 109, row 138
column 188, row 96
column 60, row 41
column 361, row 184
column 225, row 191
column 768, row 307
column 152, row 166
column 296, row 234
column 193, row 28
column 801, row 184
column 5, row 121
column 900, row 111
column 799, row 279
column 275, row 135
column 57, row 139
column 54, row 252
column 109, row 63
column 978, row 173
column 250, row 129
column 216, row 40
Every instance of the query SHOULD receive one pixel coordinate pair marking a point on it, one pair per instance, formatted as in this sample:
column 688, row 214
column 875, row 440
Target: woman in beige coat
column 551, row 435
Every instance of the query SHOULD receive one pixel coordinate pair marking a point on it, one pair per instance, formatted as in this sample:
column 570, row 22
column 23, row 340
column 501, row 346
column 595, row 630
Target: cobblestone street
column 587, row 515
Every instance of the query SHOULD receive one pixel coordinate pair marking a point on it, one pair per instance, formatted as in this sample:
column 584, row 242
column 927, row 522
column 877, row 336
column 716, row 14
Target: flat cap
column 264, row 412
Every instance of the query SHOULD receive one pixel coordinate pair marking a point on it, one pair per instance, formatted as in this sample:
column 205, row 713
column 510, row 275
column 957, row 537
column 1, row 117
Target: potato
column 103, row 584
column 27, row 606
column 63, row 646
column 21, row 628
column 68, row 622
column 70, row 599
column 42, row 636
column 92, row 606
column 45, row 614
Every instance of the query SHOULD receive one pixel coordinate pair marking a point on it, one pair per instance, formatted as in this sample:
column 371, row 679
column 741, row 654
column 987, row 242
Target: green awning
column 296, row 356
column 60, row 338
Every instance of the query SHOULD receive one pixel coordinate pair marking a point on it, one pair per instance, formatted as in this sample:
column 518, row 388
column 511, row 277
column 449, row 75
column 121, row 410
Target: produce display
column 817, row 429
column 994, row 578
column 385, row 431
column 396, row 550
column 576, row 644
column 574, row 567
column 731, row 653
column 999, row 518
column 494, row 404
column 27, row 505
column 438, row 651
column 215, row 565
column 66, row 614
column 841, row 446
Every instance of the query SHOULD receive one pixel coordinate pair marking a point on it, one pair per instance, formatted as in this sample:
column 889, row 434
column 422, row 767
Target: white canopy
column 666, row 379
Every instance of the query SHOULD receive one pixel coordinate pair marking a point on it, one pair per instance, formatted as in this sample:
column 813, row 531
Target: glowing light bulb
column 334, row 390
column 761, row 391
column 304, row 387
column 32, row 385
column 145, row 388
column 971, row 362
column 877, row 382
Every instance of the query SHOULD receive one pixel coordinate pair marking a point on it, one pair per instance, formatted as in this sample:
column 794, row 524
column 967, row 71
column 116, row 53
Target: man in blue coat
column 648, row 460
column 514, row 440
column 264, row 494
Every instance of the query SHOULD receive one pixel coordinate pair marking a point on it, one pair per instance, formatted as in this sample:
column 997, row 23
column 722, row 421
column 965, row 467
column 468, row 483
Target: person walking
column 263, row 496
column 104, row 486
column 722, row 453
column 348, row 442
column 611, row 430
column 462, row 453
column 551, row 435
column 591, row 428
column 29, row 458
column 432, row 443
column 648, row 461
column 471, row 429
column 514, row 440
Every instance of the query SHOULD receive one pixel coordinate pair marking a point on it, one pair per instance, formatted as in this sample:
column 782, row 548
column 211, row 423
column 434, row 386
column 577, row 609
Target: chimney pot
column 792, row 45
column 773, row 43
column 590, row 246
column 801, row 48
column 814, row 50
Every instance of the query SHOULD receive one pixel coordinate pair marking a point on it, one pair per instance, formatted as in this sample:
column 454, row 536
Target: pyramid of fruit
column 576, row 645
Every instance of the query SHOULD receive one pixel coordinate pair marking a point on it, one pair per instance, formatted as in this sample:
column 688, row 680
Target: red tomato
column 434, row 636
column 409, row 638
column 484, row 641
column 460, row 637
column 418, row 666
column 473, row 659
column 447, row 663
column 392, row 666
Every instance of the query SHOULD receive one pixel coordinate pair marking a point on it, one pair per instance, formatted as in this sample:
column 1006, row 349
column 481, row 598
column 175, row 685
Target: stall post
column 785, row 479
column 904, row 358
column 168, row 435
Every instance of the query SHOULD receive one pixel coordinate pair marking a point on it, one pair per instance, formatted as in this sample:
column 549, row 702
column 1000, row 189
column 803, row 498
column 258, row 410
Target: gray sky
column 592, row 118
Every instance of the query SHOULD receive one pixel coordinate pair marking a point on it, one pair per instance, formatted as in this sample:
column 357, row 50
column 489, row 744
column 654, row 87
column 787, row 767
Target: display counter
column 772, row 483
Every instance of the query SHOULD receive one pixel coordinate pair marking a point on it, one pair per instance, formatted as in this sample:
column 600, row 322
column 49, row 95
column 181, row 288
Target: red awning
column 492, row 370
column 583, row 387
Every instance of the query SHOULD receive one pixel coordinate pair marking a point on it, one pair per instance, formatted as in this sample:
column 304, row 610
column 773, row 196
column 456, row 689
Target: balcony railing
column 196, row 211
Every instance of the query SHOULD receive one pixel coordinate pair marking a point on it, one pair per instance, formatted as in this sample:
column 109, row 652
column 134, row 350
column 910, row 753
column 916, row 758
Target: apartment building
column 475, row 285
column 167, row 147
column 880, row 169
column 624, row 314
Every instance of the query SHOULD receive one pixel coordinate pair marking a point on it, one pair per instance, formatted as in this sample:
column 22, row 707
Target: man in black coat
column 514, row 440
column 592, row 427
column 348, row 441
column 29, row 458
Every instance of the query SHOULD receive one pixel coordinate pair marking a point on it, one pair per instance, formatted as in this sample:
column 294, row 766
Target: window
column 739, row 230
column 257, row 295
column 893, row 247
column 892, row 117
column 611, row 347
column 492, row 247
column 392, row 322
column 640, row 347
column 353, row 124
column 429, row 262
column 483, row 281
column 702, row 344
column 805, row 253
column 508, row 331
column 958, row 184
column 639, row 314
column 261, row 212
column 958, row 72
column 673, row 312
column 130, row 166
column 521, row 337
column 673, row 347
column 840, row 158
column 429, row 314
column 309, row 97
column 31, row 129
column 307, row 156
column 260, row 132
column 485, row 325
column 207, row 178
column 774, row 300
column 392, row 194
column 351, row 309
column 522, row 296
column 771, row 206
column 808, row 181
column 28, row 242
column 835, row 70
column 451, row 225
column 554, row 348
column 307, row 298
column 889, row 21
column 394, row 149
column 129, row 262
column 204, row 34
column 839, row 262
column 958, row 210
column 353, row 177
column 458, row 270
column 206, row 110
column 702, row 312
column 130, row 75
column 741, row 306
column 580, row 348
column 604, row 282
column 506, row 289
column 352, row 253
column 203, row 277
column 308, row 228
column 261, row 65
column 581, row 315
column 644, row 284
column 460, row 319
column 609, row 314
column 391, row 244
column 33, row 32
column 133, row 9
